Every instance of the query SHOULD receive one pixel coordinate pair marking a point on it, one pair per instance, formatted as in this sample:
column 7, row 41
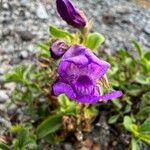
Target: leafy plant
column 139, row 132
column 52, row 119
column 133, row 79
column 24, row 138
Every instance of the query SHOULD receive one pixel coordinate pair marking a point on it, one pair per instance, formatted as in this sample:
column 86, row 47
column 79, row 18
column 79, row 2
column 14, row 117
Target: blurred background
column 24, row 23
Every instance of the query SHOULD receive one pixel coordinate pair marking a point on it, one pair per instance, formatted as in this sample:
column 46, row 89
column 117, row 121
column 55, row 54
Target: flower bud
column 58, row 48
column 70, row 14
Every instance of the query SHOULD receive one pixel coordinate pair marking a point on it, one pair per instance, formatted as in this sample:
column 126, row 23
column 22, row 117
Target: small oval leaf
column 127, row 123
column 134, row 144
column 113, row 119
column 145, row 127
column 59, row 33
column 50, row 125
column 94, row 40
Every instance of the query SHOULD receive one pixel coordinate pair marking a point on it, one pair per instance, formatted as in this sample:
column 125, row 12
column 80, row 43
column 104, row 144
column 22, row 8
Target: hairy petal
column 63, row 88
column 78, row 50
column 111, row 95
column 91, row 98
column 84, row 59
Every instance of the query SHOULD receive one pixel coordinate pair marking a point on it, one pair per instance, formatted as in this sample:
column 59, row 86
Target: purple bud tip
column 71, row 14
column 58, row 48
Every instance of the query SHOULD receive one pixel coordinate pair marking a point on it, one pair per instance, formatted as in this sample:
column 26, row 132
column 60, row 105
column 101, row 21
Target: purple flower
column 58, row 48
column 78, row 73
column 71, row 14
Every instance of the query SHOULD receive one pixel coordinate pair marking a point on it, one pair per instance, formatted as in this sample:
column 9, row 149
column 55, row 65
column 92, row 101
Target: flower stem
column 79, row 134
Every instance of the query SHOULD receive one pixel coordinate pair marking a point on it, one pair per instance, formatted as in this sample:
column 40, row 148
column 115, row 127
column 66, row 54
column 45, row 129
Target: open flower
column 78, row 72
column 58, row 48
column 70, row 14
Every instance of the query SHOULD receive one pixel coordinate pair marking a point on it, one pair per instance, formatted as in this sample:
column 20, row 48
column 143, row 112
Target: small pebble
column 24, row 55
column 41, row 12
column 3, row 96
column 147, row 28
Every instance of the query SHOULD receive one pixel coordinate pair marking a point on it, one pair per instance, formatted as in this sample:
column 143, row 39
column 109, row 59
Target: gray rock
column 147, row 28
column 41, row 11
column 123, row 9
column 3, row 96
column 24, row 55
column 26, row 35
column 144, row 146
column 24, row 3
column 2, row 79
column 68, row 146
column 2, row 71
column 5, row 122
column 32, row 49
column 109, row 19
column 2, row 108
column 11, row 109
column 5, row 6
column 10, row 87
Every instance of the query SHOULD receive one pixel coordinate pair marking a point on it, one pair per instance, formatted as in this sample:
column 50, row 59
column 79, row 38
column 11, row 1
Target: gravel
column 147, row 28
column 24, row 23
column 41, row 12
column 3, row 96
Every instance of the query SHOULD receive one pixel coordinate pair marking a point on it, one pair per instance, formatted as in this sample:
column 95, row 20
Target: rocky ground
column 24, row 23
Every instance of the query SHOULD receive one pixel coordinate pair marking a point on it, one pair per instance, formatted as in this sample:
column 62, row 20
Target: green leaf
column 18, row 74
column 16, row 128
column 44, row 49
column 90, row 112
column 145, row 65
column 117, row 103
column 145, row 138
column 144, row 112
column 123, row 54
column 67, row 106
column 15, row 75
column 63, row 101
column 4, row 147
column 127, row 122
column 145, row 127
column 50, row 125
column 94, row 41
column 142, row 79
column 113, row 119
column 138, row 47
column 134, row 144
column 30, row 143
column 147, row 55
column 52, row 139
column 59, row 33
column 127, row 109
column 22, row 136
column 133, row 90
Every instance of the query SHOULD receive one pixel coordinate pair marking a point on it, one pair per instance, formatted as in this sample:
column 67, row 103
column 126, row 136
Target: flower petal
column 71, row 66
column 80, row 55
column 70, row 14
column 111, row 95
column 77, row 50
column 60, row 88
column 89, row 99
